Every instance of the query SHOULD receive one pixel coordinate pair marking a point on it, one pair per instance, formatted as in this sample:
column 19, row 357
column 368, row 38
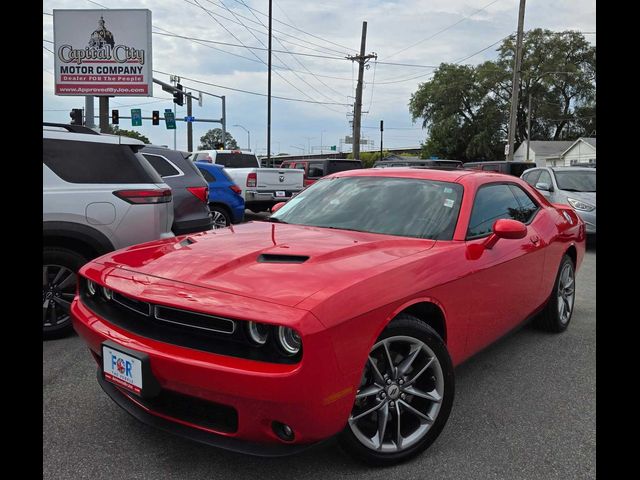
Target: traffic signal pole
column 104, row 114
column 189, row 126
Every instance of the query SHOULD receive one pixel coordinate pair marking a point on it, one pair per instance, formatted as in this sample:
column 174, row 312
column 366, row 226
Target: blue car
column 225, row 197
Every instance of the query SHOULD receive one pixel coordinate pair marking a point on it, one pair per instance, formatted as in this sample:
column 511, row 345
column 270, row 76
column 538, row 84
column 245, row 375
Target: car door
column 504, row 286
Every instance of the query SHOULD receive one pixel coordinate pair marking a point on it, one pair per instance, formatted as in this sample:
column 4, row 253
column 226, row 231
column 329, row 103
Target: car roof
column 56, row 133
column 454, row 176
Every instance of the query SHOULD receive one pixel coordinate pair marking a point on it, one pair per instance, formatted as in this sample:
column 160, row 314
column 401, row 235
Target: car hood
column 279, row 263
column 589, row 197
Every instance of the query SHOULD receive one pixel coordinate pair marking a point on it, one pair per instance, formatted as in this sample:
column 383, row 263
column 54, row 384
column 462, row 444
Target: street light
column 248, row 136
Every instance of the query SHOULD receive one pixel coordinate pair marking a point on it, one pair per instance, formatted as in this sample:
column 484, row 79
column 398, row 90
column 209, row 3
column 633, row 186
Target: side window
column 528, row 207
column 207, row 176
column 316, row 170
column 492, row 203
column 162, row 165
column 544, row 178
column 90, row 162
column 532, row 177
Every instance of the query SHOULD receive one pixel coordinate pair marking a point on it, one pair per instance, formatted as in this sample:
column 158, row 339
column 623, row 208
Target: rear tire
column 221, row 217
column 557, row 313
column 59, row 279
column 405, row 396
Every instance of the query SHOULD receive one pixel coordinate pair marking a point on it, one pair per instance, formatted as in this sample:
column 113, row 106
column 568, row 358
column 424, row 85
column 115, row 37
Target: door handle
column 535, row 240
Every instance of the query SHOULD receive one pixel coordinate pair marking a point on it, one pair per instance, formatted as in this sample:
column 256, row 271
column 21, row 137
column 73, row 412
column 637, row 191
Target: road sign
column 434, row 157
column 506, row 149
column 333, row 148
column 169, row 119
column 136, row 117
column 190, row 119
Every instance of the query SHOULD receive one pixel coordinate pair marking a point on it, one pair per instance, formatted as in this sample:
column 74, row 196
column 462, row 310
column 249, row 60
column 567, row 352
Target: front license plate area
column 128, row 369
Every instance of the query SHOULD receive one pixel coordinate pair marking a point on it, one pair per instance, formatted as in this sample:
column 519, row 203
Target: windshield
column 393, row 206
column 578, row 181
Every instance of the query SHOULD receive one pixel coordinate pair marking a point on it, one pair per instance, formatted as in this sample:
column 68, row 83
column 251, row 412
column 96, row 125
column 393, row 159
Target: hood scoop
column 277, row 258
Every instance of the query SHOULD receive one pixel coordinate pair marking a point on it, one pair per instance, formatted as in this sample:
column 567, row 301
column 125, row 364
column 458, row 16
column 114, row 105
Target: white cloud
column 392, row 26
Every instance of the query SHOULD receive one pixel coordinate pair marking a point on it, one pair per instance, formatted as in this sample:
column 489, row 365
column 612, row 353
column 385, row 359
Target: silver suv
column 99, row 195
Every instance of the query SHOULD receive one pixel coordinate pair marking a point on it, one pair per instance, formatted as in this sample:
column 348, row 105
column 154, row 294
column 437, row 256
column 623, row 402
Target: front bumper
column 181, row 430
column 311, row 396
column 589, row 219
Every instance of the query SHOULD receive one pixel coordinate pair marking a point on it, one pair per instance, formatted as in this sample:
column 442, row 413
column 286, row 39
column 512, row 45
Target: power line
column 324, row 49
column 298, row 29
column 50, row 51
column 255, row 93
column 299, row 62
column 234, row 36
column 444, row 29
column 242, row 45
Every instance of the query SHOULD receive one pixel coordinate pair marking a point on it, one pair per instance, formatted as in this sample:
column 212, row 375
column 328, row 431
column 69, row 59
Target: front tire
column 405, row 395
column 59, row 279
column 557, row 313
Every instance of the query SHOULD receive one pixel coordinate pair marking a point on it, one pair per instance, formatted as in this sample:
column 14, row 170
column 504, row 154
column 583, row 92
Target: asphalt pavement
column 525, row 408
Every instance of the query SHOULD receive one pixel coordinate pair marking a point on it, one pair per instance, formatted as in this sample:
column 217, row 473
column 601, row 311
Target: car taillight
column 201, row 192
column 252, row 180
column 159, row 195
column 236, row 189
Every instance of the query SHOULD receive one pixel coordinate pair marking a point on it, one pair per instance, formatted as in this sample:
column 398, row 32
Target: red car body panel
column 339, row 300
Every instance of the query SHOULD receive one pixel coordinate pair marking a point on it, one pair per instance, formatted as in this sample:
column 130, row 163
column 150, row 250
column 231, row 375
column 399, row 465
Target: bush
column 369, row 158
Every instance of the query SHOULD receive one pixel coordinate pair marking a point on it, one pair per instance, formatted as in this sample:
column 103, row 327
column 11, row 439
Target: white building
column 542, row 152
column 582, row 151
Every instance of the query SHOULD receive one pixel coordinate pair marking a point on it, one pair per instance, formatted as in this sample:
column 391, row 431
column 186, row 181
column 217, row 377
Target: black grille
column 137, row 306
column 194, row 320
column 183, row 328
column 215, row 416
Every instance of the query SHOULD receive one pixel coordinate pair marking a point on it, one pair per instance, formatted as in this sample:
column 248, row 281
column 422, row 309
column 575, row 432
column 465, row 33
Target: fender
column 97, row 240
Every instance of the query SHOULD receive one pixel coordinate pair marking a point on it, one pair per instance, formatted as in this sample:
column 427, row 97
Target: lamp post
column 248, row 136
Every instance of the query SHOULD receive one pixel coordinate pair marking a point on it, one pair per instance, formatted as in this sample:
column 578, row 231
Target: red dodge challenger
column 344, row 315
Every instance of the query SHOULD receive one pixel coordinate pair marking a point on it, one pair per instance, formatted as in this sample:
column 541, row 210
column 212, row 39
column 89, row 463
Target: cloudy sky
column 415, row 32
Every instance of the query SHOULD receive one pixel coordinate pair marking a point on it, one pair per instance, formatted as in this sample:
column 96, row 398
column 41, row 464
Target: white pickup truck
column 261, row 187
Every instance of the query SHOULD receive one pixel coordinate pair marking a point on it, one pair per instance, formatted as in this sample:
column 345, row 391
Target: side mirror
column 544, row 186
column 507, row 229
column 277, row 207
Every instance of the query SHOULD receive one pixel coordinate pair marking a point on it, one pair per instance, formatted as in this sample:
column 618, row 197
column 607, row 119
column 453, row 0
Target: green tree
column 214, row 136
column 369, row 158
column 115, row 130
column 465, row 108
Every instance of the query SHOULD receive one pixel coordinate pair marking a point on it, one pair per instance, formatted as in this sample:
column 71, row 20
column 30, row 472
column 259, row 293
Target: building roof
column 549, row 148
column 591, row 141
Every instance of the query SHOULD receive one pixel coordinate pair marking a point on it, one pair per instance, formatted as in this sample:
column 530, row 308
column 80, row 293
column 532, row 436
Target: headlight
column 107, row 292
column 258, row 332
column 289, row 340
column 91, row 287
column 580, row 205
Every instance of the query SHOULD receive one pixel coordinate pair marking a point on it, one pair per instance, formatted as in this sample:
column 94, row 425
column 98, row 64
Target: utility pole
column 190, row 126
column 223, row 120
column 529, row 127
column 381, row 130
column 104, row 114
column 362, row 59
column 269, row 94
column 516, row 81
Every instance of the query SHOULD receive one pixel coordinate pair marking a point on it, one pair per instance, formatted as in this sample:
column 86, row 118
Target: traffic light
column 115, row 117
column 178, row 97
column 76, row 116
column 155, row 117
column 218, row 146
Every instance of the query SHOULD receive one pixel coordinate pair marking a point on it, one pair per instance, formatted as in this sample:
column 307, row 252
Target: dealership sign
column 103, row 52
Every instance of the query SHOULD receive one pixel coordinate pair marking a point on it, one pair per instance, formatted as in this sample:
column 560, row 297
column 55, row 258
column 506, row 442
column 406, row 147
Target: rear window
column 89, row 162
column 207, row 176
column 342, row 166
column 161, row 165
column 236, row 160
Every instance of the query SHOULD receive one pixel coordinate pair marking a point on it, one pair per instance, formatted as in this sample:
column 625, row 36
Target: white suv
column 99, row 195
